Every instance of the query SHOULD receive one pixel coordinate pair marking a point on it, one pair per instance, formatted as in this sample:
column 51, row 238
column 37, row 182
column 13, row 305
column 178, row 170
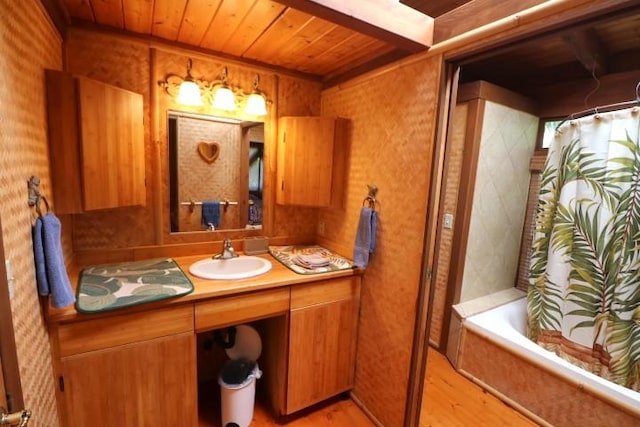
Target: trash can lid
column 238, row 373
column 248, row 344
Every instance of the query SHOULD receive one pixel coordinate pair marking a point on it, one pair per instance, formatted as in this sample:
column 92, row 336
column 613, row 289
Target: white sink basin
column 232, row 268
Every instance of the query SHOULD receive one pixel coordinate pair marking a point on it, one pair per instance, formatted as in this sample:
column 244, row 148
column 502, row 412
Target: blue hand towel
column 211, row 213
column 59, row 284
column 365, row 237
column 38, row 257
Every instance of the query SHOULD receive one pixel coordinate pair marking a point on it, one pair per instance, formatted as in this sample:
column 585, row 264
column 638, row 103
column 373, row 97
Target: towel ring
column 371, row 201
column 35, row 196
column 38, row 205
column 371, row 197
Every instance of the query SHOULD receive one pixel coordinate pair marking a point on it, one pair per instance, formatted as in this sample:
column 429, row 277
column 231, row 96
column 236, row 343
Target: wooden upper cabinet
column 96, row 139
column 311, row 161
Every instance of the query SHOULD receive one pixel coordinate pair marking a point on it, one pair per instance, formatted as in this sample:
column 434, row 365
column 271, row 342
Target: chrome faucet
column 227, row 251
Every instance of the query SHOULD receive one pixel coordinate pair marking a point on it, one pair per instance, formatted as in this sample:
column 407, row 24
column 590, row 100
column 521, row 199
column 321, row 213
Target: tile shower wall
column 29, row 43
column 499, row 201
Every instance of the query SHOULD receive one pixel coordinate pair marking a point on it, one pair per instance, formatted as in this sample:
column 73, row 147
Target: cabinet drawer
column 228, row 311
column 107, row 332
column 324, row 292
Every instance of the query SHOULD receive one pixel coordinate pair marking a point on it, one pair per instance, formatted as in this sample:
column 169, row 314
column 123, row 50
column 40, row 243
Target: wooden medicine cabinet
column 312, row 155
column 96, row 141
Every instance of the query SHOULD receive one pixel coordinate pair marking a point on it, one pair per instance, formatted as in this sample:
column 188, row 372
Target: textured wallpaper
column 392, row 137
column 28, row 44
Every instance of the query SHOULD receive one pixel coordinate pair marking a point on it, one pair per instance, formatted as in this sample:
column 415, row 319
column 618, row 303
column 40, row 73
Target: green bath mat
column 287, row 256
column 111, row 286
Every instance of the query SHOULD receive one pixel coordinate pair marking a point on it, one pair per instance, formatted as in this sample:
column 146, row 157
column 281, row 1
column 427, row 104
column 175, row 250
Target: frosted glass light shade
column 224, row 99
column 189, row 93
column 256, row 105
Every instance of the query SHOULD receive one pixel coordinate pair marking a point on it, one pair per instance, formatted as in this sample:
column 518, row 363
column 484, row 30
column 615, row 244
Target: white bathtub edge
column 522, row 347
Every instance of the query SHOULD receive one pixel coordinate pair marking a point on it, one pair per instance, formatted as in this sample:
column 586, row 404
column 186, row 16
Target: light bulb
column 256, row 105
column 189, row 93
column 224, row 99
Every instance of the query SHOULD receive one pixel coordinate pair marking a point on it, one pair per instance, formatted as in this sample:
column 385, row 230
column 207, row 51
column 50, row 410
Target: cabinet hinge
column 61, row 382
column 429, row 275
column 282, row 185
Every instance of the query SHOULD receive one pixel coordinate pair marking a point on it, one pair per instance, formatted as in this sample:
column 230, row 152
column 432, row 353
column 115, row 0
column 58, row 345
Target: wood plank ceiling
column 261, row 31
column 300, row 36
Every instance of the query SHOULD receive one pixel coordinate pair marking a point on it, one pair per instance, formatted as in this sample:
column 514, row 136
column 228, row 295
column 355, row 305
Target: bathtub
column 495, row 353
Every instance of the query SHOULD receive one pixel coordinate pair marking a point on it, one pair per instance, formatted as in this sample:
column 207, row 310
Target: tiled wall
column 28, row 44
column 499, row 201
column 392, row 123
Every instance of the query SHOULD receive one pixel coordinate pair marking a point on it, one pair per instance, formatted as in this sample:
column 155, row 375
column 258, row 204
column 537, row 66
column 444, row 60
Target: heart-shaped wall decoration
column 209, row 151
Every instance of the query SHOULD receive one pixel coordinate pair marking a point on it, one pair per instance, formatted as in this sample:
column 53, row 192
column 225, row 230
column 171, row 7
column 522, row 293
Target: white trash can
column 238, row 377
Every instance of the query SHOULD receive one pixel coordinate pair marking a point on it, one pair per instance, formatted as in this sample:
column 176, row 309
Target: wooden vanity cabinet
column 131, row 370
column 311, row 161
column 140, row 368
column 96, row 141
column 322, row 340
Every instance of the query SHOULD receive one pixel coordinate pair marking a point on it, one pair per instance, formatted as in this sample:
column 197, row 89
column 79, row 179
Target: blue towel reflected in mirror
column 210, row 213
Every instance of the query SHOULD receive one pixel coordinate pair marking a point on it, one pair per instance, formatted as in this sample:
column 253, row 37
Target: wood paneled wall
column 129, row 63
column 28, row 44
column 392, row 126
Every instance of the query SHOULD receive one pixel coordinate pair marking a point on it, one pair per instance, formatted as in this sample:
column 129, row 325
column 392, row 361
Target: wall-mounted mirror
column 216, row 171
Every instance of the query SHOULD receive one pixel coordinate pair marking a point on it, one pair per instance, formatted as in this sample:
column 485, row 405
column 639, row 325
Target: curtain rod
column 603, row 108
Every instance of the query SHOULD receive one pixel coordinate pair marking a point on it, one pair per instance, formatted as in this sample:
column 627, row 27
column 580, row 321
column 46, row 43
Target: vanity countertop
column 278, row 276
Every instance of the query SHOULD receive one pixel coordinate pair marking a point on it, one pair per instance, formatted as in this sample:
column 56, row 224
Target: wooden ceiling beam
column 391, row 22
column 589, row 50
column 58, row 15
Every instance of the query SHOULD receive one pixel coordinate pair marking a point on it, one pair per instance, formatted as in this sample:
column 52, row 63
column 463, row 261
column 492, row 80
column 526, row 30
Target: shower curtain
column 584, row 287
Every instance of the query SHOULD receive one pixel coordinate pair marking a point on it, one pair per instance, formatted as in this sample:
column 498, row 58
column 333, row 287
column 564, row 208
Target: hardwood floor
column 449, row 400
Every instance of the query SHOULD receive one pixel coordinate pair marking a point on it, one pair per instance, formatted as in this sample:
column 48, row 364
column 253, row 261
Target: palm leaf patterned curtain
column 584, row 287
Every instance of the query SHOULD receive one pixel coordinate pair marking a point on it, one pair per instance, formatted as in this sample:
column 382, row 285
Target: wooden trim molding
column 490, row 92
column 465, row 200
column 474, row 13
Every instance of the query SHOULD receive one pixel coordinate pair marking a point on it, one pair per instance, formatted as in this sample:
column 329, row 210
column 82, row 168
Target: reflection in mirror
column 216, row 172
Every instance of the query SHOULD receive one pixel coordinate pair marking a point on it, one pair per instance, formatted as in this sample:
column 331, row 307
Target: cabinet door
column 112, row 140
column 322, row 341
column 305, row 160
column 150, row 383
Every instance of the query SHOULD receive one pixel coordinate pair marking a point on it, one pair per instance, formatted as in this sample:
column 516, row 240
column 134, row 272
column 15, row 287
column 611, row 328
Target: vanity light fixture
column 223, row 96
column 218, row 94
column 189, row 92
column 256, row 104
